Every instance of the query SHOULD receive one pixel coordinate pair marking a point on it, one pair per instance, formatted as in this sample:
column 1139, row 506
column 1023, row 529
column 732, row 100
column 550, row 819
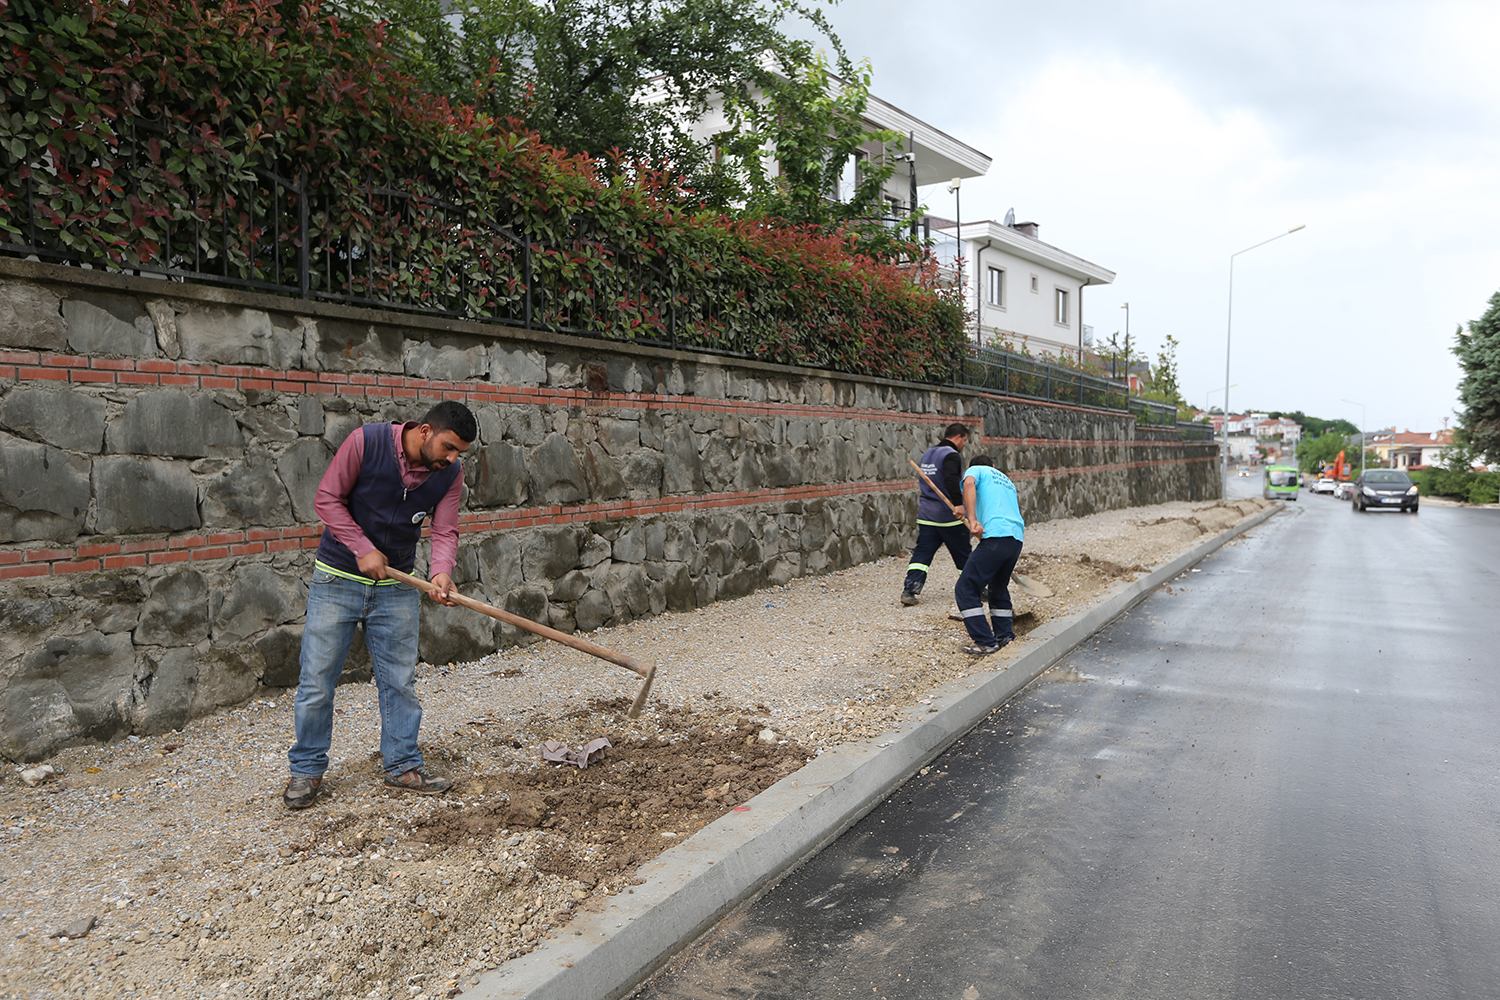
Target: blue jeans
column 990, row 566
column 930, row 538
column 389, row 614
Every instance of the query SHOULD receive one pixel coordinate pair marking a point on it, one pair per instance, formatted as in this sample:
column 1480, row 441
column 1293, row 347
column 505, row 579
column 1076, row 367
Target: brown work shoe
column 418, row 779
column 300, row 791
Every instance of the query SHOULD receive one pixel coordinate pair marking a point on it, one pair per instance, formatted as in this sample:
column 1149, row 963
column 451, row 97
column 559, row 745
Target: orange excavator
column 1339, row 470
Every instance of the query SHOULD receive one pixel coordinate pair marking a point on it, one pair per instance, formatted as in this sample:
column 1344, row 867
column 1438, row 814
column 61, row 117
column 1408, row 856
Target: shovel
column 647, row 671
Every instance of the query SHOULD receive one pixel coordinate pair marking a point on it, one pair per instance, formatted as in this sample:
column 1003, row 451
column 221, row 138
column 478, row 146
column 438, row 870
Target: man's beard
column 430, row 462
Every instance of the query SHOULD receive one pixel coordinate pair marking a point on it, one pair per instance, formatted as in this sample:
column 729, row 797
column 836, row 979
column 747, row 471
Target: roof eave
column 1030, row 248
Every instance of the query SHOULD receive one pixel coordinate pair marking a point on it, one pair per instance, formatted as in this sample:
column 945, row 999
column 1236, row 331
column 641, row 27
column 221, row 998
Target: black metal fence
column 418, row 249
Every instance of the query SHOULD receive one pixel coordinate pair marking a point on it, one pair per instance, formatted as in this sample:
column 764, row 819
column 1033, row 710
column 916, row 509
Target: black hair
column 955, row 430
column 450, row 415
column 981, row 460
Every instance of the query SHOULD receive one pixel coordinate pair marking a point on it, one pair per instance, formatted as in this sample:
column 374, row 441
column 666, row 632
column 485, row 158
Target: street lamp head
column 954, row 184
column 1300, row 225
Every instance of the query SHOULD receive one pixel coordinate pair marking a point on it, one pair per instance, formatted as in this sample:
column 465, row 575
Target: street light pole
column 1361, row 430
column 1228, row 330
column 958, row 263
column 1126, row 307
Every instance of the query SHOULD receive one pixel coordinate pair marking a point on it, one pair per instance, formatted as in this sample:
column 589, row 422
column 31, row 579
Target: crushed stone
column 201, row 884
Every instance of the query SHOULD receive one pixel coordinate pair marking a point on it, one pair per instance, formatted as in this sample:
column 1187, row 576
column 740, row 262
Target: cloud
column 1158, row 138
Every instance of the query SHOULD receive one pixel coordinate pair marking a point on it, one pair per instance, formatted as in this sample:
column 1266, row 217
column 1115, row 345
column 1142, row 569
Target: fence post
column 304, row 276
column 526, row 276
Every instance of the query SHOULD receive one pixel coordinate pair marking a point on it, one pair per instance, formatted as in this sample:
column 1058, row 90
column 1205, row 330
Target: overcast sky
column 1158, row 138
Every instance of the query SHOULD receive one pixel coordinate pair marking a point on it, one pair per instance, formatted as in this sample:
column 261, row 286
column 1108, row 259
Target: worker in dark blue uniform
column 937, row 524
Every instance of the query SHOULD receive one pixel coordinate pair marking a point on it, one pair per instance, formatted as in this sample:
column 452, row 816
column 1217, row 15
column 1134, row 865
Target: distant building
column 1412, row 449
column 1239, row 423
column 1282, row 429
column 1025, row 292
column 930, row 155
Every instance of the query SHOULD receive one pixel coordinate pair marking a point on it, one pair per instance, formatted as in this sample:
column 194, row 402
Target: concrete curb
column 686, row 890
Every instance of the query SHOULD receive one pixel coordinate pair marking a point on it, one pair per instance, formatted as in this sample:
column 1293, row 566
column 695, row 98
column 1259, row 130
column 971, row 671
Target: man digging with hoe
column 383, row 482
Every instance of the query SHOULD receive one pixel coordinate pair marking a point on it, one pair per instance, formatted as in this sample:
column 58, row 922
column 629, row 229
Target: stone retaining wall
column 160, row 444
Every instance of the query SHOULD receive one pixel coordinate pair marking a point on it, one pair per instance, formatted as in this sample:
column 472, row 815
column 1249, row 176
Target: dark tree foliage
column 626, row 82
column 1478, row 353
column 128, row 128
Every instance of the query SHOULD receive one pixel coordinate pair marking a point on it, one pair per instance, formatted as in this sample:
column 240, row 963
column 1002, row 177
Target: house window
column 1062, row 307
column 995, row 286
column 849, row 177
column 1034, row 286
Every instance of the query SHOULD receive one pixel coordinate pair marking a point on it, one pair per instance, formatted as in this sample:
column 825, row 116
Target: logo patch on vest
column 418, row 517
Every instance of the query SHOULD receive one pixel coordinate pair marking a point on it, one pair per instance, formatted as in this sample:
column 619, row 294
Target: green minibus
column 1280, row 482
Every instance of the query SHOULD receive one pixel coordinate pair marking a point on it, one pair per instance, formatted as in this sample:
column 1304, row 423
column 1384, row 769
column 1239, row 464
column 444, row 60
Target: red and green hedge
column 125, row 124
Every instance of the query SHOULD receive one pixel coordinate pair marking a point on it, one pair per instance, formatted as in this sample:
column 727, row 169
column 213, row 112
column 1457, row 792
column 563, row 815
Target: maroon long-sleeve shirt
column 332, row 501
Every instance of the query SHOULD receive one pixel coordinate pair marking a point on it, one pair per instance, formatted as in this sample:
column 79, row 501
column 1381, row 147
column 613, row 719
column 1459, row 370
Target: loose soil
column 202, row 884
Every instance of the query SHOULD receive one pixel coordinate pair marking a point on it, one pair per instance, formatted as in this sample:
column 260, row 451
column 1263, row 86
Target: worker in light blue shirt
column 994, row 518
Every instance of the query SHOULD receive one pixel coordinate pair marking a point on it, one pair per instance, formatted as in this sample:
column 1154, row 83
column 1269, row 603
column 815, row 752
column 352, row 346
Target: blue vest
column 932, row 507
column 390, row 515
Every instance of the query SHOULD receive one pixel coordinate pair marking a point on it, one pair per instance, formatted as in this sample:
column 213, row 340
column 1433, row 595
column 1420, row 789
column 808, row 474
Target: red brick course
column 188, row 374
column 20, row 561
column 24, row 562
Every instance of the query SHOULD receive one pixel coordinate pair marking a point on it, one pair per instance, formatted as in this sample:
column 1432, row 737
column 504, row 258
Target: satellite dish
column 1010, row 217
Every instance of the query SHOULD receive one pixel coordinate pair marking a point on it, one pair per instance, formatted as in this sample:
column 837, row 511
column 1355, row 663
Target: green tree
column 625, row 82
column 1118, row 356
column 809, row 124
column 1325, row 448
column 1164, row 385
column 1478, row 353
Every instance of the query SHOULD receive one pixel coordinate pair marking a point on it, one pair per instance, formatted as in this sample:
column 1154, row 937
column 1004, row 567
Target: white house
column 929, row 155
column 1280, row 428
column 937, row 157
column 1023, row 291
column 1413, row 448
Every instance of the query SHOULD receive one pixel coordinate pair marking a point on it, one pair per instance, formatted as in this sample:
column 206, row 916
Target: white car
column 1343, row 491
column 1324, row 485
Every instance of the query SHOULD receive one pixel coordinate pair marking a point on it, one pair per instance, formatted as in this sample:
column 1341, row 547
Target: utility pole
column 911, row 164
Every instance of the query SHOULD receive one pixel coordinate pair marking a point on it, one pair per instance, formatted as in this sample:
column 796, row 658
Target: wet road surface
column 1277, row 779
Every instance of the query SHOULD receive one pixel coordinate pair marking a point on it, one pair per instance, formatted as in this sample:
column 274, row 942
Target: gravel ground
column 200, row 884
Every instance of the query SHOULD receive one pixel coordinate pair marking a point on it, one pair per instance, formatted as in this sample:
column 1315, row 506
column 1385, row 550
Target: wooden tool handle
column 957, row 511
column 582, row 645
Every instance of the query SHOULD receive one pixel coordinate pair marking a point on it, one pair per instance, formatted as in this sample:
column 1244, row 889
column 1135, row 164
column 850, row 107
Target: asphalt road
column 1275, row 779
